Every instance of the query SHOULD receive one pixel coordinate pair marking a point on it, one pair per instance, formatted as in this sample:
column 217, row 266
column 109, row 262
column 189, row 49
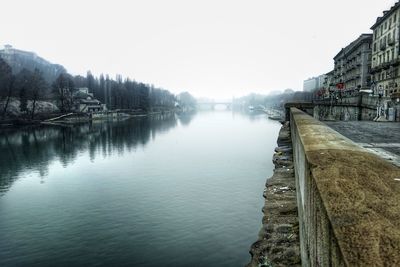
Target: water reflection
column 191, row 197
column 35, row 148
column 186, row 118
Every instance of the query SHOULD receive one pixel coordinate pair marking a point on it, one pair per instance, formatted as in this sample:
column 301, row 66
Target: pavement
column 380, row 138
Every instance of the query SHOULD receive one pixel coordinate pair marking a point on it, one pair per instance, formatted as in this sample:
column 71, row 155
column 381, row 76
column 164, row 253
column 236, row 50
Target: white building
column 86, row 103
column 314, row 83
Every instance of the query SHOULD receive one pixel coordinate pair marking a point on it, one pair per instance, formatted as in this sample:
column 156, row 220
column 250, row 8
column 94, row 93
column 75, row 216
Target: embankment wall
column 348, row 199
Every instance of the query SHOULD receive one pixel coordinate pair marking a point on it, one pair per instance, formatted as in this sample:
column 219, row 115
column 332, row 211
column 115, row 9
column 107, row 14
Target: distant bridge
column 211, row 105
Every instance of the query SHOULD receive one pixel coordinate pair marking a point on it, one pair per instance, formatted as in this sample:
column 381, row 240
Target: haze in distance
column 217, row 49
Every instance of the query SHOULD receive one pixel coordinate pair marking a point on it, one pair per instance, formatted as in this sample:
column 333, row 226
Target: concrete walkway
column 380, row 138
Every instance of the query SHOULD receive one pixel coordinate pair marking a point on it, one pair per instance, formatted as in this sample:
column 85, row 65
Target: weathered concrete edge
column 358, row 190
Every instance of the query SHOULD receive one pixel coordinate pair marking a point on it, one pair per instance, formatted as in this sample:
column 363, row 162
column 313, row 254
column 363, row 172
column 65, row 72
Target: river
column 162, row 191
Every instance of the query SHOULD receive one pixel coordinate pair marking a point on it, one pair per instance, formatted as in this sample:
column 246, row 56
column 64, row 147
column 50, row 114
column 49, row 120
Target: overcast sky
column 216, row 48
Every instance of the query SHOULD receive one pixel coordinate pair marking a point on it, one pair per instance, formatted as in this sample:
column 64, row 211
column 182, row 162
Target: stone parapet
column 348, row 199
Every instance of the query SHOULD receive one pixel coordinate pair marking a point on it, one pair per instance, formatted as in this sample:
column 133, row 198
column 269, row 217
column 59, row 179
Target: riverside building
column 352, row 66
column 385, row 53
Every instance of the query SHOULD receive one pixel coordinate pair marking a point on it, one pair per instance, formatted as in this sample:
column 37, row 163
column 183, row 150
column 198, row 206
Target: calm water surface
column 162, row 191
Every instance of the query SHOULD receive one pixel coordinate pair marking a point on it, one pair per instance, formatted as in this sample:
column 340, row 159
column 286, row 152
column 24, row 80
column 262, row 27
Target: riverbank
column 74, row 118
column 278, row 242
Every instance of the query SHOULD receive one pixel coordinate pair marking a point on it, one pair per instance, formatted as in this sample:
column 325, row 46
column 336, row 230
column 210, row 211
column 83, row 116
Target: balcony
column 352, row 66
column 376, row 68
column 395, row 62
column 386, row 65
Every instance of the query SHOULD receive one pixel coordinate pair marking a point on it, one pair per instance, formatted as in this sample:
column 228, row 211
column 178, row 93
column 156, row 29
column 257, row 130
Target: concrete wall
column 348, row 199
column 361, row 107
column 338, row 113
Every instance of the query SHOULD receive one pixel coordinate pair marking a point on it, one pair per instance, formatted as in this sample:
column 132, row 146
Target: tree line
column 275, row 101
column 116, row 93
column 26, row 85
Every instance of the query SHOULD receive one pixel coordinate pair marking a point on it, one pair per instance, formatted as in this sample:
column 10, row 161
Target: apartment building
column 385, row 53
column 353, row 65
column 329, row 83
column 314, row 83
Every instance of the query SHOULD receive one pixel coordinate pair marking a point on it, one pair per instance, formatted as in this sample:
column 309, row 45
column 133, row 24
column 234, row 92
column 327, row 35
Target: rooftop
column 365, row 37
column 386, row 14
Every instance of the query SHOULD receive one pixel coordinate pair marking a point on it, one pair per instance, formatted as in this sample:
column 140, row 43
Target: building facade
column 353, row 65
column 328, row 84
column 310, row 84
column 84, row 102
column 385, row 53
column 314, row 83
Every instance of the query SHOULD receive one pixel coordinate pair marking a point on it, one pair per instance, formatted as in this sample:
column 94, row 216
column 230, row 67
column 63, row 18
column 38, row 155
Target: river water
column 161, row 191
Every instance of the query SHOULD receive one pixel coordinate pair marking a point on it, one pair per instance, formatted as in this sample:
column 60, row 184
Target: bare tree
column 37, row 85
column 63, row 88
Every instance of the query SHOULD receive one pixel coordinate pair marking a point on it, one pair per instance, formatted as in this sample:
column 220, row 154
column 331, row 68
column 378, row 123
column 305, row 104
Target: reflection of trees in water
column 186, row 118
column 33, row 149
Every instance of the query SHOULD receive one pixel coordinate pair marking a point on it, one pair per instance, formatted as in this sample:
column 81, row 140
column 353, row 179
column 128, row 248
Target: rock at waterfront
column 278, row 243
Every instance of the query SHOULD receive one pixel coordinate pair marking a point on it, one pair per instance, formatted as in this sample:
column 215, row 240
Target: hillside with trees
column 19, row 60
column 27, row 82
